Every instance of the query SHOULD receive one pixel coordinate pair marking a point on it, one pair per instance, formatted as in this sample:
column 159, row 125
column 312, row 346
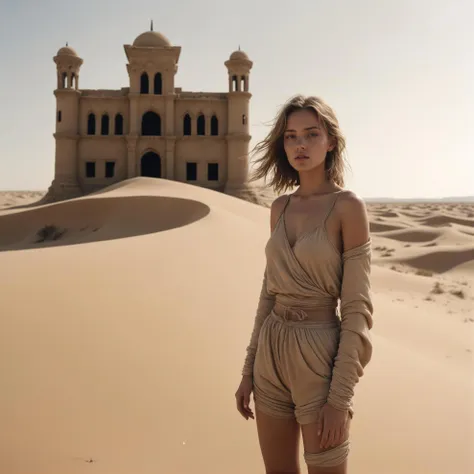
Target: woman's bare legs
column 311, row 443
column 279, row 443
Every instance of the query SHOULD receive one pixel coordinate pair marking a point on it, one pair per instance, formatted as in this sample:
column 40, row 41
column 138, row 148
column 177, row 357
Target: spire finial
column 239, row 47
column 151, row 25
column 67, row 44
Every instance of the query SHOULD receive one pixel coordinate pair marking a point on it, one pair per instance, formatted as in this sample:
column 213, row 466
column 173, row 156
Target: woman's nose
column 300, row 142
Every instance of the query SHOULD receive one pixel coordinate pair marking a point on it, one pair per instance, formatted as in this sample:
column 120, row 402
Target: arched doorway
column 150, row 165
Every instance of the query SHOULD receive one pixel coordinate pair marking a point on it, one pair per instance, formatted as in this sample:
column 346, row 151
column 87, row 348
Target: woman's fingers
column 247, row 409
column 243, row 401
column 326, row 432
column 240, row 403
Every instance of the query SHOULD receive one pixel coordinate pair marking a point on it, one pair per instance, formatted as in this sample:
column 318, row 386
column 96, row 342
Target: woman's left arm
column 355, row 346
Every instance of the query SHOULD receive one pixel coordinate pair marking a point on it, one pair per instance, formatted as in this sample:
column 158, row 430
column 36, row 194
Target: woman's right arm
column 265, row 305
column 266, row 300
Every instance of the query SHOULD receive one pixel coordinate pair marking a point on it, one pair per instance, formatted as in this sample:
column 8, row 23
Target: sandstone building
column 150, row 128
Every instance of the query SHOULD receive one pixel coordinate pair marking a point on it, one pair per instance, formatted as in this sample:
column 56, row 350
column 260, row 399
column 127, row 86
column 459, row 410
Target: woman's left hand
column 332, row 426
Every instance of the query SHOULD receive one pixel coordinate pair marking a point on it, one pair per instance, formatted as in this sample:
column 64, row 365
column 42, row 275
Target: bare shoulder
column 352, row 211
column 276, row 209
column 350, row 202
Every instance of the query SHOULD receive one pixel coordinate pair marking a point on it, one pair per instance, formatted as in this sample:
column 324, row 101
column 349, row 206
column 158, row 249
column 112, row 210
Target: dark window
column 144, row 84
column 242, row 84
column 90, row 169
column 244, row 119
column 214, row 125
column 234, row 82
column 151, row 124
column 73, row 81
column 158, row 83
column 60, row 116
column 191, row 171
column 118, row 124
column 91, row 124
column 213, row 171
column 201, row 125
column 109, row 169
column 104, row 126
column 64, row 80
column 187, row 125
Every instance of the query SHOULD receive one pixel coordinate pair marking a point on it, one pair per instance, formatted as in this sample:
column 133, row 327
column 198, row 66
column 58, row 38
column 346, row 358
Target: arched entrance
column 150, row 165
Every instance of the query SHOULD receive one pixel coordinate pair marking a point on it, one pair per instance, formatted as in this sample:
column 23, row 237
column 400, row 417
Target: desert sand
column 124, row 318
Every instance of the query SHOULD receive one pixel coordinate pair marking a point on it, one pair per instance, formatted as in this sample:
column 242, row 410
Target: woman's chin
column 304, row 165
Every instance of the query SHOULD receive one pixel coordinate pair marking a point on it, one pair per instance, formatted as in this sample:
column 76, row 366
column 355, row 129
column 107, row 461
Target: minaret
column 152, row 66
column 238, row 138
column 68, row 64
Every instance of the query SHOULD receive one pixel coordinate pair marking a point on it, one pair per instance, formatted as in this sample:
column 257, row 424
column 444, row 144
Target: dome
column 239, row 55
column 151, row 39
column 67, row 51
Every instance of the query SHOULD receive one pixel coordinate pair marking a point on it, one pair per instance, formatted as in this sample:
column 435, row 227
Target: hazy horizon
column 399, row 75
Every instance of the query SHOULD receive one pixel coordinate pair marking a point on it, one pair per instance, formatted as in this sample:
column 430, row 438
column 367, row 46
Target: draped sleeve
column 355, row 346
column 265, row 305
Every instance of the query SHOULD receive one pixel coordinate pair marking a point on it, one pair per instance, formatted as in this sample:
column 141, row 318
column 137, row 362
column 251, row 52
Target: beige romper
column 299, row 363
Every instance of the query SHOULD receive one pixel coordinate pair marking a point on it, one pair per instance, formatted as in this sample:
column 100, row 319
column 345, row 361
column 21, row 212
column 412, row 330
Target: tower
column 238, row 137
column 152, row 66
column 68, row 64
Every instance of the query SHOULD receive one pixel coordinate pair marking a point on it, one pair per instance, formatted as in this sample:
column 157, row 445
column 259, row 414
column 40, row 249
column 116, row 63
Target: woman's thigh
column 279, row 443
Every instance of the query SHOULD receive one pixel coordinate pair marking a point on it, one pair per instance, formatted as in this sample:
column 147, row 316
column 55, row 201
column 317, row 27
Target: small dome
column 67, row 51
column 239, row 55
column 151, row 39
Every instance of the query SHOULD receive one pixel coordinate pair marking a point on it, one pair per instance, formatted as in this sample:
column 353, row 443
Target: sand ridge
column 124, row 327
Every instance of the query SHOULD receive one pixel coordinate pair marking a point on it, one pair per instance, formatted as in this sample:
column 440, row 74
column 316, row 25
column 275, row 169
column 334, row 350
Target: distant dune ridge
column 124, row 317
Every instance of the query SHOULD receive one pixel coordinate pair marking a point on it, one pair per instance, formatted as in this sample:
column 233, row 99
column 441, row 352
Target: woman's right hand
column 242, row 397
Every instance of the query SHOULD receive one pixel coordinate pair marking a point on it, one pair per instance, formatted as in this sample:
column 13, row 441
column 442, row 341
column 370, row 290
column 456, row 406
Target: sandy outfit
column 297, row 361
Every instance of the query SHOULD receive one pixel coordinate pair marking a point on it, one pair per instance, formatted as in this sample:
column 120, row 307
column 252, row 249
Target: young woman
column 310, row 340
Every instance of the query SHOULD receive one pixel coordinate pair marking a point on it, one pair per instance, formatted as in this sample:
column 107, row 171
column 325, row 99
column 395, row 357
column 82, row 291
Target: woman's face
column 305, row 141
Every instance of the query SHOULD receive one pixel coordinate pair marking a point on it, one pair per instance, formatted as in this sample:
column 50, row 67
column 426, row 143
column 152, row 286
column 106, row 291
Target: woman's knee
column 329, row 458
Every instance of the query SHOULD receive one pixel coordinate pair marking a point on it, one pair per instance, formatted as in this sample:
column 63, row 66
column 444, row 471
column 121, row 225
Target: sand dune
column 440, row 261
column 412, row 235
column 121, row 347
column 91, row 219
column 437, row 221
column 376, row 227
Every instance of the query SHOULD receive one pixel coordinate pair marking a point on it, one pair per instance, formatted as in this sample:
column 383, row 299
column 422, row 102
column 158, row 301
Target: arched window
column 187, row 125
column 91, row 124
column 73, row 81
column 104, row 125
column 151, row 124
column 64, row 80
column 144, row 84
column 244, row 119
column 158, row 84
column 235, row 82
column 214, row 125
column 118, row 124
column 201, row 125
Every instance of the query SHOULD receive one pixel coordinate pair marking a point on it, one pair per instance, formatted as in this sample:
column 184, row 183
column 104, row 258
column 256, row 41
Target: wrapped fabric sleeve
column 355, row 346
column 265, row 305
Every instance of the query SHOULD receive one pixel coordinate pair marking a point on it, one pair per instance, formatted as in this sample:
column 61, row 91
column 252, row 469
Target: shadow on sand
column 96, row 219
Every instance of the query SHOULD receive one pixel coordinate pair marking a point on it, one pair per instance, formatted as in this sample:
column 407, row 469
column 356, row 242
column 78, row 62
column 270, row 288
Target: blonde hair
column 274, row 159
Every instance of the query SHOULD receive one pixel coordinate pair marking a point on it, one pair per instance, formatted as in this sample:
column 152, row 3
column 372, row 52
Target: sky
column 398, row 73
